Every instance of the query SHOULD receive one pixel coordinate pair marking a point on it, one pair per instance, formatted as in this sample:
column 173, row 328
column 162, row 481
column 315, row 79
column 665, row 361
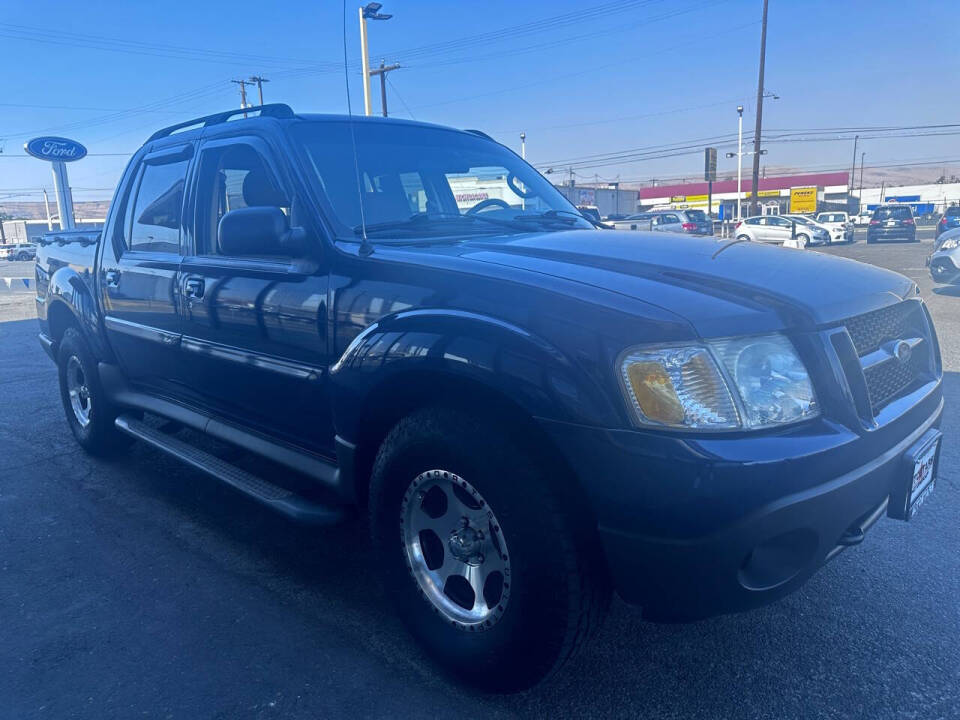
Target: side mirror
column 259, row 231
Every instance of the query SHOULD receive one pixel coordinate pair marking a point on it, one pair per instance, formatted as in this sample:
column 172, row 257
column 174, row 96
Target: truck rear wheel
column 479, row 558
column 89, row 412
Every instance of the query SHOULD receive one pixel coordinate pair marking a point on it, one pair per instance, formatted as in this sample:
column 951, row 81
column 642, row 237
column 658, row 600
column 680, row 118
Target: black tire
column 805, row 239
column 744, row 238
column 98, row 436
column 558, row 594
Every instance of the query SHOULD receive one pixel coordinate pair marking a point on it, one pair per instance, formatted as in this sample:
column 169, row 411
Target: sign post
column 58, row 152
column 710, row 174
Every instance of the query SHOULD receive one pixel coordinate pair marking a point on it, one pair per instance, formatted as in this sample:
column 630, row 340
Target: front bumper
column 692, row 529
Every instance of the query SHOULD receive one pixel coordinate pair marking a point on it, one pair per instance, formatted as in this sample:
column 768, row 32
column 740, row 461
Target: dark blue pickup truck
column 409, row 319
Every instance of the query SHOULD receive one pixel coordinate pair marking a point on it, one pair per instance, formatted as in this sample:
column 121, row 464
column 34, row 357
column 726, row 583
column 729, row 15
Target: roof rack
column 479, row 133
column 276, row 110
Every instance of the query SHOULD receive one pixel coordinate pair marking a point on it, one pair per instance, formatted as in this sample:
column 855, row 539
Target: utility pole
column 860, row 196
column 756, row 134
column 259, row 81
column 523, row 145
column 243, row 92
column 382, row 72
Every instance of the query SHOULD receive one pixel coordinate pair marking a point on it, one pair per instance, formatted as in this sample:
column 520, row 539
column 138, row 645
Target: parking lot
column 137, row 587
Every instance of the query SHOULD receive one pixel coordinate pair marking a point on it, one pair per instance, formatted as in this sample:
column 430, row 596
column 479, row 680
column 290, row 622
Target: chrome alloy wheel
column 455, row 550
column 78, row 391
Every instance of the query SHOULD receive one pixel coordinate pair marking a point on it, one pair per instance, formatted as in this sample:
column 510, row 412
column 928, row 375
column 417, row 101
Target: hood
column 721, row 287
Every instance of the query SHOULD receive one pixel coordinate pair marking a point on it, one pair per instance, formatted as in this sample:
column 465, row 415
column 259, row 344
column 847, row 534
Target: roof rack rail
column 479, row 133
column 277, row 110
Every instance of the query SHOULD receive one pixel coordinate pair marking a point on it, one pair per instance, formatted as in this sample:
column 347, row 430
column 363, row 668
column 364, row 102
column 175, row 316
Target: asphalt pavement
column 139, row 588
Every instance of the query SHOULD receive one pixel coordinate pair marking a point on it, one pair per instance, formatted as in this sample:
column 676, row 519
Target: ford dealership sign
column 55, row 149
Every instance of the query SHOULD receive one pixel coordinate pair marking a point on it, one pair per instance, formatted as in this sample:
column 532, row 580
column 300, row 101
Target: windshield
column 424, row 181
column 697, row 215
column 831, row 218
column 802, row 220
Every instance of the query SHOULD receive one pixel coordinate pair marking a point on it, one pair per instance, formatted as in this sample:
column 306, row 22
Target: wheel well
column 409, row 392
column 59, row 318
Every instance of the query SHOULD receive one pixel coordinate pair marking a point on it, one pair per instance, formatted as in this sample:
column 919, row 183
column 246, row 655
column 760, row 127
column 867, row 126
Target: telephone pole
column 754, row 197
column 382, row 72
column 243, row 92
column 259, row 81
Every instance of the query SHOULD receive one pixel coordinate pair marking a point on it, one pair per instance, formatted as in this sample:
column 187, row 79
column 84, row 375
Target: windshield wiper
column 420, row 221
column 568, row 217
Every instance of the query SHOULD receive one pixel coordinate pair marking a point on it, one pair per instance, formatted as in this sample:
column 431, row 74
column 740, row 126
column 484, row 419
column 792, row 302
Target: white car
column 862, row 218
column 808, row 225
column 779, row 230
column 839, row 225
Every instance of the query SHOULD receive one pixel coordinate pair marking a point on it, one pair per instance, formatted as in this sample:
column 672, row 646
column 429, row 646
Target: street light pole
column 739, row 157
column 523, row 145
column 370, row 11
column 365, row 63
column 853, row 168
column 860, row 195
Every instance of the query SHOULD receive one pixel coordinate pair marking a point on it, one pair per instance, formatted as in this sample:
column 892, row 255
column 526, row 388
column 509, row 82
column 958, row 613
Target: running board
column 273, row 496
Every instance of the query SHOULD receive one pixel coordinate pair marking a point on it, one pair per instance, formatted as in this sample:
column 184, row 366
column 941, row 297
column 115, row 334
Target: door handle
column 193, row 288
column 112, row 277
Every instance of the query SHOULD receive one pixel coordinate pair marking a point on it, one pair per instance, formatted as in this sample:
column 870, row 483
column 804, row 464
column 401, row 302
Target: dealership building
column 789, row 193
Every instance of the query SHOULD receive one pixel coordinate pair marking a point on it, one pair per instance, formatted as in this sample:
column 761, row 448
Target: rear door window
column 155, row 215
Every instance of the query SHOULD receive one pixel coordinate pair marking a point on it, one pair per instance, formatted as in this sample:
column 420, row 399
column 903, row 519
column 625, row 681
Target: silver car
column 779, row 230
column 945, row 261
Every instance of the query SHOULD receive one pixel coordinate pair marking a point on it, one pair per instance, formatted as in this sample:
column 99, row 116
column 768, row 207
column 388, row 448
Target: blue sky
column 580, row 78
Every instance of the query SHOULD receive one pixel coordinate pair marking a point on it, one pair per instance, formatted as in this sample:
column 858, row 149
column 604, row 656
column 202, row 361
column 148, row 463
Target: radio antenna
column 365, row 246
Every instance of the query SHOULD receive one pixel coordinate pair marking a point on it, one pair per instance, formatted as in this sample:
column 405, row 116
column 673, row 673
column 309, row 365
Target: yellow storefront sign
column 768, row 193
column 803, row 200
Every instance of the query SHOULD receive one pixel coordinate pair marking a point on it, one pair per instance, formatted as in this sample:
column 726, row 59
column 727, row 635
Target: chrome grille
column 875, row 334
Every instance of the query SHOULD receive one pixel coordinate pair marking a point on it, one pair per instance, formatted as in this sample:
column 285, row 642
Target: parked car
column 691, row 222
column 532, row 411
column 18, row 251
column 779, row 230
column 945, row 261
column 892, row 222
column 949, row 220
column 862, row 218
column 818, row 234
column 839, row 225
column 637, row 221
column 592, row 213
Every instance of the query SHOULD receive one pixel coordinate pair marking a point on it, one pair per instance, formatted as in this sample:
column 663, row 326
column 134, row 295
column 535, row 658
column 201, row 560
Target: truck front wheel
column 478, row 556
column 88, row 410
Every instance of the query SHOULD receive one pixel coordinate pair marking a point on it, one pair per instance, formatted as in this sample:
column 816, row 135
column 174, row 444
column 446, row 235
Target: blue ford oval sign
column 55, row 148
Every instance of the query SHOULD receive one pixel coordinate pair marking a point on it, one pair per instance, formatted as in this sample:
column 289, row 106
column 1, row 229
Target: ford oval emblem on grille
column 902, row 351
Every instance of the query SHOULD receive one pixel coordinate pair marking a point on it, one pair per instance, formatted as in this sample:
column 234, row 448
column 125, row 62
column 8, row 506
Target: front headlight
column 770, row 379
column 950, row 244
column 722, row 385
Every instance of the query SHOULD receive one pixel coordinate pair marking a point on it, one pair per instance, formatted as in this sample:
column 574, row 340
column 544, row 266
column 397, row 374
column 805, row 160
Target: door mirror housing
column 259, row 231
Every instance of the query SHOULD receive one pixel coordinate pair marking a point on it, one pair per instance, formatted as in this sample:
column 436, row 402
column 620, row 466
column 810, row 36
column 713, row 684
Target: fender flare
column 71, row 290
column 471, row 348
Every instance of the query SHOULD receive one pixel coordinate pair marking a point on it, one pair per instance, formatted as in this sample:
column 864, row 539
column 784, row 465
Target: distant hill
column 36, row 211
